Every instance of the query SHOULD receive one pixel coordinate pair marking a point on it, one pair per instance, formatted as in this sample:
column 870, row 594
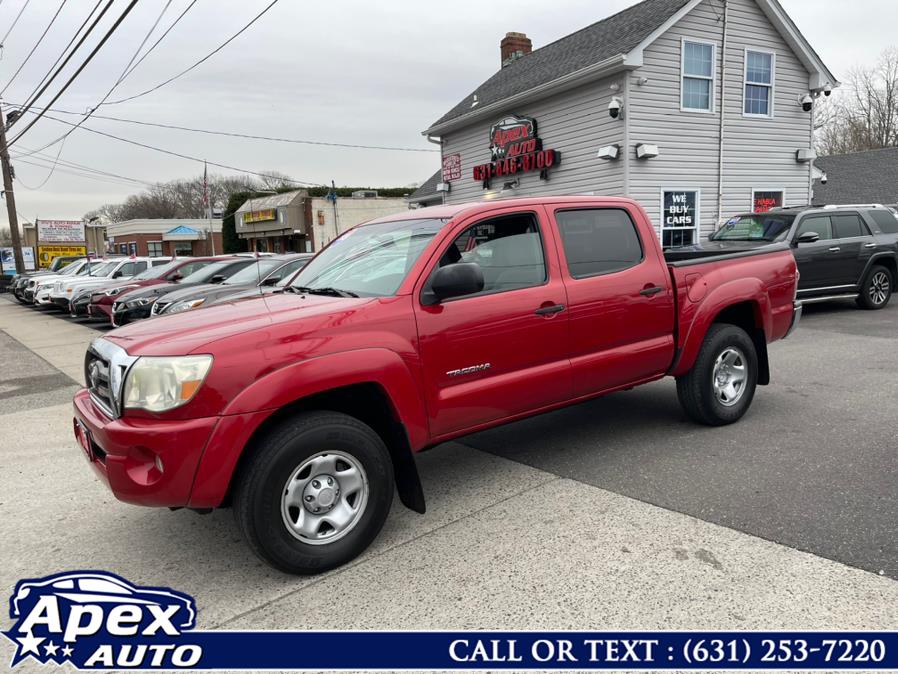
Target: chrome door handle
column 834, row 249
column 869, row 245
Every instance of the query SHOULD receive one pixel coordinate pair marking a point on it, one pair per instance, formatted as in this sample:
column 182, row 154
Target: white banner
column 60, row 231
column 8, row 260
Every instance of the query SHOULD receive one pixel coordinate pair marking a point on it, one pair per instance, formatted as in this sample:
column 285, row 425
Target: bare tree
column 864, row 115
column 275, row 180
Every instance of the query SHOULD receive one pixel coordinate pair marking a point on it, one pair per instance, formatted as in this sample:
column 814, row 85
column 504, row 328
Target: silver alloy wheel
column 879, row 287
column 729, row 376
column 324, row 498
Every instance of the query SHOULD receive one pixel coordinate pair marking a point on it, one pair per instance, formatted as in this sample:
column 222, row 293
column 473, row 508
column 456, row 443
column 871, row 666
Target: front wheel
column 719, row 388
column 876, row 290
column 315, row 492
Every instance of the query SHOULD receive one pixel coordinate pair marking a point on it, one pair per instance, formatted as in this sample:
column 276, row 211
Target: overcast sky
column 372, row 73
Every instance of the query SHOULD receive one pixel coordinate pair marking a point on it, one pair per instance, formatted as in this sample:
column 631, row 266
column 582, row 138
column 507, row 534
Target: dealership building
column 698, row 109
column 170, row 237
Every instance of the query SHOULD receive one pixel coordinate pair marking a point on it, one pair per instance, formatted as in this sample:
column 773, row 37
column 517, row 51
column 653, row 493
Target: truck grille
column 96, row 376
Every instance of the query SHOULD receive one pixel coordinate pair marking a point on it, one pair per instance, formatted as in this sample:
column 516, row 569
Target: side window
column 159, row 263
column 885, row 220
column 287, row 269
column 508, row 249
column 598, row 241
column 139, row 267
column 126, row 269
column 848, row 225
column 817, row 223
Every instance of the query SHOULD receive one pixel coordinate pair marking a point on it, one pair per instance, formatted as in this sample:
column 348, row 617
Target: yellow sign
column 46, row 254
column 260, row 216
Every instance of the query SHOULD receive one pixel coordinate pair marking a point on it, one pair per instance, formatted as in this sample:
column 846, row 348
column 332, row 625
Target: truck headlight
column 161, row 383
column 186, row 305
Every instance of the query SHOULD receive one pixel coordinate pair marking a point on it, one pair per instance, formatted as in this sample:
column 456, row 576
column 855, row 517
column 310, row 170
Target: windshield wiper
column 334, row 292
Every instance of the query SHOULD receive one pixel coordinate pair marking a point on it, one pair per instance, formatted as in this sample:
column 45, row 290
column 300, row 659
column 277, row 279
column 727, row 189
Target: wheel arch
column 887, row 260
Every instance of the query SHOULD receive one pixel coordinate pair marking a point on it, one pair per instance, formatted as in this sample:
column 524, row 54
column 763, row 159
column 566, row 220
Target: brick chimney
column 513, row 46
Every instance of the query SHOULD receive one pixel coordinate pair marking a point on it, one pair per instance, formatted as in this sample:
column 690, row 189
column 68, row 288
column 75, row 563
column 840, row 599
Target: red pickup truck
column 302, row 410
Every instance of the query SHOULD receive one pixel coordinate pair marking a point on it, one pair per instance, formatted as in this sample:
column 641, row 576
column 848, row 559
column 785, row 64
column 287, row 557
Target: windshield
column 371, row 260
column 203, row 275
column 254, row 273
column 103, row 269
column 155, row 272
column 70, row 270
column 755, row 227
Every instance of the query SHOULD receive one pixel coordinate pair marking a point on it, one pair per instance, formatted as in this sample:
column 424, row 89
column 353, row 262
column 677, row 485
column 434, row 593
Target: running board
column 812, row 300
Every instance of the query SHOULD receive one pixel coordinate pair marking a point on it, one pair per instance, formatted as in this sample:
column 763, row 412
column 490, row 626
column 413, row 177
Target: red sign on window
column 764, row 201
column 451, row 167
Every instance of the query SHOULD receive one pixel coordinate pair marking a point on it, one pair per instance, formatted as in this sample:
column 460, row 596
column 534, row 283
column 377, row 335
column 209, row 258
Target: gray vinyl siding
column 758, row 153
column 576, row 123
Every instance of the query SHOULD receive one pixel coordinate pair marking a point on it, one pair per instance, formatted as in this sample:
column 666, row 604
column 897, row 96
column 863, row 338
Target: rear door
column 818, row 262
column 856, row 243
column 502, row 351
column 620, row 298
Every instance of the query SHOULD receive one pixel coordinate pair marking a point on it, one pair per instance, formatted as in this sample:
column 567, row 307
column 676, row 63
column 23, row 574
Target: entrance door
column 502, row 351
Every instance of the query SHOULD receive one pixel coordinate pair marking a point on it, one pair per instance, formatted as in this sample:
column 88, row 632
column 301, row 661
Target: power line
column 50, row 174
column 79, row 174
column 185, row 156
column 15, row 21
column 161, row 37
column 77, row 72
column 36, row 45
column 202, row 60
column 233, row 134
column 82, row 167
column 51, row 74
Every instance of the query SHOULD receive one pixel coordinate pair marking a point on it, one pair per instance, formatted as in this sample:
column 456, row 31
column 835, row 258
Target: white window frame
column 713, row 78
column 771, row 86
column 754, row 190
column 698, row 212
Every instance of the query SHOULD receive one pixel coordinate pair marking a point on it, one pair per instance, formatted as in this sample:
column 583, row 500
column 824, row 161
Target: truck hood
column 190, row 331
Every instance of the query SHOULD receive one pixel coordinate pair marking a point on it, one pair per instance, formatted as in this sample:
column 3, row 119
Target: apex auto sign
column 60, row 231
column 515, row 148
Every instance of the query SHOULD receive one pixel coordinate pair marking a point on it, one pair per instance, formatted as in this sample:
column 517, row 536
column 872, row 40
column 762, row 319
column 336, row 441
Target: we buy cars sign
column 60, row 231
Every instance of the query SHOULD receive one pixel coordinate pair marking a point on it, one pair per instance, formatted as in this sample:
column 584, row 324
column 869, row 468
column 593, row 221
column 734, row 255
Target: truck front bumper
column 796, row 317
column 147, row 462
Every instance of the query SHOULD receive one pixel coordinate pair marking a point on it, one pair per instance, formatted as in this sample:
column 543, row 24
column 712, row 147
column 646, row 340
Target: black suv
column 842, row 251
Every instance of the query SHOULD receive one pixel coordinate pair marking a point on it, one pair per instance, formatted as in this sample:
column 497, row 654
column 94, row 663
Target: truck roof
column 447, row 211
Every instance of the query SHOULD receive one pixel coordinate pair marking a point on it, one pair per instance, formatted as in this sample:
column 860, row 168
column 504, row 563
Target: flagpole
column 207, row 202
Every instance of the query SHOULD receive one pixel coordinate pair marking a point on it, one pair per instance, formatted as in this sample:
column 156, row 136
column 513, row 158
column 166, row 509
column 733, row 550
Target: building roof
column 860, row 178
column 428, row 189
column 272, row 201
column 161, row 225
column 604, row 47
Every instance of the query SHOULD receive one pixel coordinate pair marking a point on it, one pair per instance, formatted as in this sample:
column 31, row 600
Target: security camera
column 827, row 90
column 806, row 102
column 615, row 108
column 823, row 179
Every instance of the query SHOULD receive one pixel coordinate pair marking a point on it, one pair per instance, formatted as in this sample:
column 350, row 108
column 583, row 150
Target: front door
column 620, row 297
column 502, row 351
column 857, row 244
column 821, row 264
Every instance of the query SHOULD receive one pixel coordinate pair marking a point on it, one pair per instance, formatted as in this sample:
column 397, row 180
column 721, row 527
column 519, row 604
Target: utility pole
column 10, row 199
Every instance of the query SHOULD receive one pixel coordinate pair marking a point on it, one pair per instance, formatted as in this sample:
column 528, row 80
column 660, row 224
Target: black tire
column 262, row 481
column 696, row 388
column 876, row 290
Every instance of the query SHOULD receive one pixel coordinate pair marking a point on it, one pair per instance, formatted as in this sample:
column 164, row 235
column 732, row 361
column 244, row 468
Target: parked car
column 98, row 303
column 302, row 408
column 37, row 290
column 18, row 282
column 121, row 270
column 265, row 289
column 264, row 273
column 140, row 302
column 843, row 252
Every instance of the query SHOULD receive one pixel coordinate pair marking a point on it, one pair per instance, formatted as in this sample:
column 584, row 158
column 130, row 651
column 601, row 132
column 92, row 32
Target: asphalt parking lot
column 617, row 513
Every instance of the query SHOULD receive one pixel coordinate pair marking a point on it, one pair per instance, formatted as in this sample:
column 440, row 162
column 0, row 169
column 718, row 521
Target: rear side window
column 885, row 220
column 598, row 241
column 820, row 224
column 849, row 225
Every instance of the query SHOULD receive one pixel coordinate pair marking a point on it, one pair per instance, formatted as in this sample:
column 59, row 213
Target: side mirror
column 218, row 278
column 117, row 274
column 177, row 276
column 270, row 281
column 807, row 237
column 454, row 280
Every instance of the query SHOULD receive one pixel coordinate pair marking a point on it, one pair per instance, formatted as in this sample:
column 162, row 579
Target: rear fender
column 737, row 291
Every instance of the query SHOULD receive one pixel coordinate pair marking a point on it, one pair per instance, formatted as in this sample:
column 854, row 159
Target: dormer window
column 760, row 68
column 697, row 76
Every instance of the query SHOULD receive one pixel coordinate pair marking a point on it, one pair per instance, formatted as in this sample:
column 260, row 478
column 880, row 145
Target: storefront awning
column 183, row 233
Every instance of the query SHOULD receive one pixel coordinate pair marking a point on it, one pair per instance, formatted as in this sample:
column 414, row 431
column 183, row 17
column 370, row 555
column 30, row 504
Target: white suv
column 64, row 289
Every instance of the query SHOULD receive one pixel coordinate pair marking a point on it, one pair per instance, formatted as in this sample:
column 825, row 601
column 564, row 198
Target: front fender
column 696, row 319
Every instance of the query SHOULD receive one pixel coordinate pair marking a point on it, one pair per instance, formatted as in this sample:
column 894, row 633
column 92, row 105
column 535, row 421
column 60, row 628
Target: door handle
column 654, row 290
column 834, row 249
column 549, row 310
column 869, row 245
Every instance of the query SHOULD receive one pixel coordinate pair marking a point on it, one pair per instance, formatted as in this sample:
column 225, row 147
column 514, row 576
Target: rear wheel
column 876, row 290
column 315, row 493
column 719, row 388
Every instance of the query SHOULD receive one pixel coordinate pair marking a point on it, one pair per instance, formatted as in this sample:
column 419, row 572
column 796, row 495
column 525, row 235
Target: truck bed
column 687, row 255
